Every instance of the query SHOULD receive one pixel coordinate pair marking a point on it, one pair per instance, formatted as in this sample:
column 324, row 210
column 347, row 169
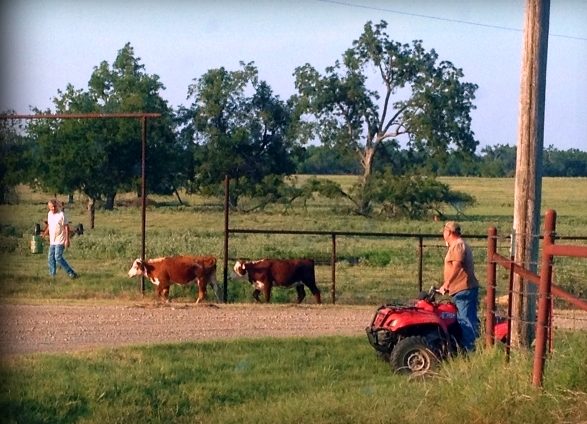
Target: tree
column 498, row 161
column 415, row 196
column 422, row 99
column 241, row 130
column 560, row 163
column 126, row 87
column 15, row 157
column 103, row 156
column 322, row 160
column 62, row 148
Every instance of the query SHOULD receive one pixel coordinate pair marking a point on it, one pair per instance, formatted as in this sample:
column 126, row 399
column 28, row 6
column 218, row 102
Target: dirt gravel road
column 70, row 328
column 28, row 328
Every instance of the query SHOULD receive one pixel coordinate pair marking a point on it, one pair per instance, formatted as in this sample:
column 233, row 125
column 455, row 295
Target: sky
column 48, row 44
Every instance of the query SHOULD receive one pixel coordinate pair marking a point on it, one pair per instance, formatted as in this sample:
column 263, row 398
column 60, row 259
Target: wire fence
column 550, row 304
column 355, row 267
column 364, row 267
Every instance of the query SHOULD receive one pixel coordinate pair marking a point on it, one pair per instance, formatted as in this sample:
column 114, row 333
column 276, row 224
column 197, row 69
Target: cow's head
column 239, row 268
column 137, row 268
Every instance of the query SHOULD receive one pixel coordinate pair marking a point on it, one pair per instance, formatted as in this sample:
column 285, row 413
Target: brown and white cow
column 163, row 272
column 266, row 273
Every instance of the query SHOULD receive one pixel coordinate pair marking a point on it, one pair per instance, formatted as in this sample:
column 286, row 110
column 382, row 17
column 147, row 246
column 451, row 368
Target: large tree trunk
column 109, row 205
column 177, row 195
column 91, row 211
column 367, row 163
column 232, row 193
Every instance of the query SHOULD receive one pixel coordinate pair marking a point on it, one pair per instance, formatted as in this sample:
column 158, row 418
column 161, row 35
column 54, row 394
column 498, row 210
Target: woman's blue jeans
column 56, row 258
column 467, row 303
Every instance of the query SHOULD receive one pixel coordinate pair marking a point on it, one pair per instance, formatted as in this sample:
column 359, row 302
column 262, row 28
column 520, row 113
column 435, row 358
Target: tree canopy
column 100, row 157
column 415, row 96
column 392, row 113
column 16, row 160
column 242, row 130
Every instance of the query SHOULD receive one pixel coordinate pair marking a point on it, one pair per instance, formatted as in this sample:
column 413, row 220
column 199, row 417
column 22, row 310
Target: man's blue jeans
column 467, row 303
column 56, row 258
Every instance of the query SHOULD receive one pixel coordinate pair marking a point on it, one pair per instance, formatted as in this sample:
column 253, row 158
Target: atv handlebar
column 430, row 295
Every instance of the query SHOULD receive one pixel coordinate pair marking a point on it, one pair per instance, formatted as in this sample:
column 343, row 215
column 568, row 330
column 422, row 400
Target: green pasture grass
column 368, row 270
column 495, row 202
column 324, row 380
column 292, row 380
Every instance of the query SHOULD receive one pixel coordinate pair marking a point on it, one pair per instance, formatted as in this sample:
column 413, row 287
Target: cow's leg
column 301, row 292
column 201, row 290
column 256, row 294
column 159, row 294
column 163, row 292
column 316, row 292
column 267, row 292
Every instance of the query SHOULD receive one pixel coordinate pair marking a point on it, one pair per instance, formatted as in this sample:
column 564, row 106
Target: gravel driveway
column 70, row 328
column 28, row 328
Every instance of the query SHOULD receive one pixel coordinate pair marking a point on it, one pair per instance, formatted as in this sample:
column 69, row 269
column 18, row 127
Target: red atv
column 415, row 338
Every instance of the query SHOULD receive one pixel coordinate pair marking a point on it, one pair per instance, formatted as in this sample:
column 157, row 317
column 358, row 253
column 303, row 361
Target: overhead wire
column 438, row 18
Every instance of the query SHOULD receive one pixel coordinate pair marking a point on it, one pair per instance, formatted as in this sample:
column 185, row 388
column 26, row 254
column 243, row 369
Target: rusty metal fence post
column 333, row 264
column 510, row 297
column 544, row 296
column 143, row 197
column 420, row 262
column 491, row 283
column 225, row 247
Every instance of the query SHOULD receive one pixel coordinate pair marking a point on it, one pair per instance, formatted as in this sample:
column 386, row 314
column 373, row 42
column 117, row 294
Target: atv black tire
column 412, row 355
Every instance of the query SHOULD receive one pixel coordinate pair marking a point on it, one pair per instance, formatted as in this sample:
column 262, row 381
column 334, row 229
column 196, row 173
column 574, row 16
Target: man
column 58, row 232
column 460, row 283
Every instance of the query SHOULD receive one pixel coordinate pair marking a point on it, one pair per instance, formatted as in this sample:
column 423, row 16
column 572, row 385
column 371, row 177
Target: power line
column 437, row 18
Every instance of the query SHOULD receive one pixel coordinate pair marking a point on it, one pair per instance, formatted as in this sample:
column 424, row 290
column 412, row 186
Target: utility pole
column 528, row 183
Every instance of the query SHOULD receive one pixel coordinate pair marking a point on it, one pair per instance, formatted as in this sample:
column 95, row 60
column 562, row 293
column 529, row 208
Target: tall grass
column 323, row 380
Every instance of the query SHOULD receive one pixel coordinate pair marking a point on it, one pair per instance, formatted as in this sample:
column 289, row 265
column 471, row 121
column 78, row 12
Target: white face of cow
column 135, row 269
column 239, row 268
